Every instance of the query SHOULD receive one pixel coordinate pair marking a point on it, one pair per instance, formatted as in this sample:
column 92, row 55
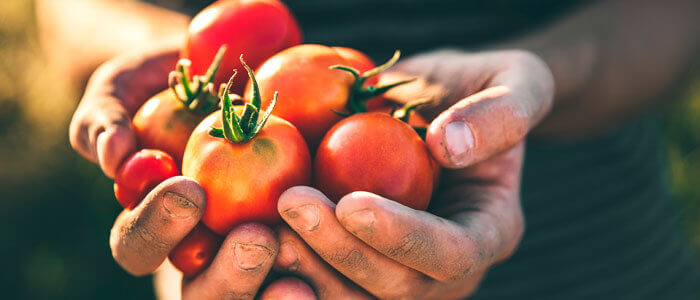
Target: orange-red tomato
column 309, row 91
column 164, row 123
column 357, row 60
column 256, row 28
column 377, row 153
column 243, row 181
column 140, row 173
column 196, row 251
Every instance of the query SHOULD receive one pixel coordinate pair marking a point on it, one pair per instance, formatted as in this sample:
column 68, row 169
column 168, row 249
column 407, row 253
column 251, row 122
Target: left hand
column 488, row 102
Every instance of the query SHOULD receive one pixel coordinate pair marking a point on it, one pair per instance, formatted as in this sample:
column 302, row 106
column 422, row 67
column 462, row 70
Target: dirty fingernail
column 251, row 256
column 459, row 141
column 178, row 206
column 305, row 216
column 361, row 221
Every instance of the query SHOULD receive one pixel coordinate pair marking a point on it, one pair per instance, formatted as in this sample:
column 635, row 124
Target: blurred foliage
column 56, row 209
column 682, row 135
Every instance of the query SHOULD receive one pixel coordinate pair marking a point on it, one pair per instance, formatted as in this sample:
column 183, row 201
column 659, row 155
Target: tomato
column 244, row 167
column 140, row 173
column 166, row 120
column 196, row 251
column 256, row 28
column 311, row 92
column 357, row 60
column 377, row 153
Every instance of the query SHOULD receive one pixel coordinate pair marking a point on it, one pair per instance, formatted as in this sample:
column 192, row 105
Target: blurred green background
column 56, row 209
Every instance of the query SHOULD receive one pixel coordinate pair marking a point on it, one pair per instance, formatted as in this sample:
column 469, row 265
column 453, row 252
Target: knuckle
column 138, row 239
column 414, row 245
column 352, row 259
column 78, row 135
column 237, row 295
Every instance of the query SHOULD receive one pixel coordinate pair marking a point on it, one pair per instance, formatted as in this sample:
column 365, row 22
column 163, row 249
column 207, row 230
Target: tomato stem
column 200, row 96
column 404, row 113
column 242, row 129
column 359, row 94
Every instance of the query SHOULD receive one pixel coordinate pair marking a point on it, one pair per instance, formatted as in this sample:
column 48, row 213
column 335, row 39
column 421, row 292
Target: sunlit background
column 56, row 209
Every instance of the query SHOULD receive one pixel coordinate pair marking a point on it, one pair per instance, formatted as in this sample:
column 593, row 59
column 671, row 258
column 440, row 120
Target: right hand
column 142, row 238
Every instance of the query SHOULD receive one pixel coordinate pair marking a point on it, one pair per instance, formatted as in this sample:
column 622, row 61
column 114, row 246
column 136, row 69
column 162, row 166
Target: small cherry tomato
column 140, row 173
column 196, row 251
column 256, row 28
column 377, row 153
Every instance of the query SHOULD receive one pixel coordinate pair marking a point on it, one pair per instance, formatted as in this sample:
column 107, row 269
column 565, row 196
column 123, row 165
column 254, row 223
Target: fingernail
column 178, row 206
column 459, row 141
column 251, row 256
column 288, row 256
column 361, row 221
column 304, row 216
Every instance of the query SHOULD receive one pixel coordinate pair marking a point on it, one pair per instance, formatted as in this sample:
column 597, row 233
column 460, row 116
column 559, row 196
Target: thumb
column 496, row 118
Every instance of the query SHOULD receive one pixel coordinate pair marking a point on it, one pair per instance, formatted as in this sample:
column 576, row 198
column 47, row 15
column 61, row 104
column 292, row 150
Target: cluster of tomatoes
column 244, row 158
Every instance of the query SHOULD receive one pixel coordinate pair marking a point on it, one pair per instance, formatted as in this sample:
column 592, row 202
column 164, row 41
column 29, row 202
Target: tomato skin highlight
column 256, row 28
column 377, row 153
column 196, row 251
column 243, row 181
column 357, row 60
column 308, row 90
column 140, row 173
column 163, row 122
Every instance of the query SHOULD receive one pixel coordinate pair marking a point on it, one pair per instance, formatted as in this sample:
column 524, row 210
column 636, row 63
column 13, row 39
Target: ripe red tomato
column 196, row 251
column 245, row 166
column 310, row 91
column 166, row 120
column 377, row 153
column 256, row 28
column 140, row 173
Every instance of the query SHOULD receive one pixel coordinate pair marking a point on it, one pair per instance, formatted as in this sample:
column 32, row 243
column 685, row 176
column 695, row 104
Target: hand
column 486, row 105
column 101, row 126
column 142, row 238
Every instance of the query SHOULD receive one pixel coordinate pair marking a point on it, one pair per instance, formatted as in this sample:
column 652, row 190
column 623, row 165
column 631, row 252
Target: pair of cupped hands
column 365, row 246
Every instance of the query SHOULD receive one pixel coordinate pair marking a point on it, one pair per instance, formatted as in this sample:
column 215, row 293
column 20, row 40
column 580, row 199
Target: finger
column 312, row 216
column 297, row 258
column 114, row 144
column 103, row 136
column 101, row 128
column 142, row 238
column 240, row 266
column 440, row 248
column 288, row 288
column 496, row 118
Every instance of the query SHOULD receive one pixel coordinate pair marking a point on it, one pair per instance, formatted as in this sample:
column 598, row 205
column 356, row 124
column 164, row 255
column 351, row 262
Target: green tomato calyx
column 243, row 128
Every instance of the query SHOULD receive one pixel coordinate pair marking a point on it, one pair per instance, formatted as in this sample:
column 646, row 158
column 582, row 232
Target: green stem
column 199, row 96
column 359, row 94
column 244, row 128
column 404, row 114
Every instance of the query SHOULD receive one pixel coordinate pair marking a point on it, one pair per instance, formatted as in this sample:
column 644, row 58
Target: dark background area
column 56, row 209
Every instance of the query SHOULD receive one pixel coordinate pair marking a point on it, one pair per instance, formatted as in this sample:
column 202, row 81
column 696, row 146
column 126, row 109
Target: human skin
column 485, row 104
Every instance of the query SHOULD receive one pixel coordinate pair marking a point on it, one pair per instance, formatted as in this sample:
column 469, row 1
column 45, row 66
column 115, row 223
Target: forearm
column 77, row 35
column 612, row 60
